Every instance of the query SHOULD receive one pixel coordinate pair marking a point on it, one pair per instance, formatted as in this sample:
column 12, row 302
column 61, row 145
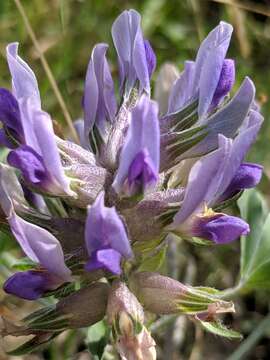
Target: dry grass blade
column 48, row 71
column 248, row 6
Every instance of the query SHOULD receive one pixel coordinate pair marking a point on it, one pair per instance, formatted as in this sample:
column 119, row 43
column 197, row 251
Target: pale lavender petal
column 23, row 78
column 129, row 43
column 219, row 228
column 46, row 139
column 27, row 108
column 99, row 99
column 200, row 180
column 40, row 246
column 105, row 229
column 209, row 62
column 181, row 91
column 143, row 133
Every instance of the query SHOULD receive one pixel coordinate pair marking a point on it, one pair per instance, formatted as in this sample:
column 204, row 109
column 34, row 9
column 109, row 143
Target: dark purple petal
column 29, row 285
column 150, row 57
column 225, row 83
column 219, row 228
column 10, row 114
column 106, row 259
column 247, row 176
column 142, row 173
column 31, row 164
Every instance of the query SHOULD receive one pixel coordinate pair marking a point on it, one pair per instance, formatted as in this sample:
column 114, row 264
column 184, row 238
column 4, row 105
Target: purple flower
column 99, row 100
column 105, row 237
column 39, row 160
column 135, row 57
column 139, row 158
column 227, row 121
column 37, row 243
column 204, row 79
column 38, row 157
column 219, row 228
column 208, row 181
column 31, row 284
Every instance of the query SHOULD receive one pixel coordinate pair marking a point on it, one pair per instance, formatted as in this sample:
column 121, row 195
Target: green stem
column 232, row 292
column 251, row 340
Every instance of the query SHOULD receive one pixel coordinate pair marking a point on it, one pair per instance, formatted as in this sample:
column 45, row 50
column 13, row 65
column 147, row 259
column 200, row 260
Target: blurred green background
column 67, row 30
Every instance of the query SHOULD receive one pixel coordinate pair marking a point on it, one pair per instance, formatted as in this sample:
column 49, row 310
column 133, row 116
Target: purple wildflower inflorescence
column 140, row 173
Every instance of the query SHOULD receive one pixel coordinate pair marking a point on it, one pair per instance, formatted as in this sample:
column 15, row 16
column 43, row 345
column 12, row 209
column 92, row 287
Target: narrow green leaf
column 155, row 262
column 33, row 345
column 217, row 328
column 254, row 211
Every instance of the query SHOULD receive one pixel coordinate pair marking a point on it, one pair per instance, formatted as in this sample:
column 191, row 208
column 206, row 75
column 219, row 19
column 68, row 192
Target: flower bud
column 163, row 295
column 125, row 314
column 82, row 308
column 86, row 306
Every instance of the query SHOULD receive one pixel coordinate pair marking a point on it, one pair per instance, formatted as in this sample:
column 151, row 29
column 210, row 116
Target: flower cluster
column 85, row 213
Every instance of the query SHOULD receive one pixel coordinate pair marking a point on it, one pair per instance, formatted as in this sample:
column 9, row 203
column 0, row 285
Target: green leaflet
column 255, row 248
column 154, row 262
column 217, row 328
column 97, row 338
